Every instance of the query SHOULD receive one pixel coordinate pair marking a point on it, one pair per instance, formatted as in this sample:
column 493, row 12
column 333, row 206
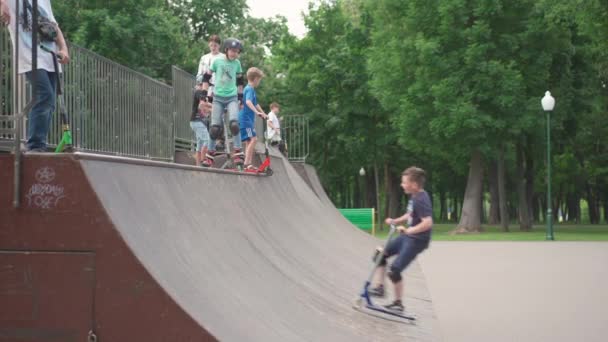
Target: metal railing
column 183, row 88
column 295, row 133
column 115, row 110
column 111, row 108
column 7, row 122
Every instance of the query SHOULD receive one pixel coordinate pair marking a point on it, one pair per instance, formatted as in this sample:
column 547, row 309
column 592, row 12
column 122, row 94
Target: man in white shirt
column 39, row 118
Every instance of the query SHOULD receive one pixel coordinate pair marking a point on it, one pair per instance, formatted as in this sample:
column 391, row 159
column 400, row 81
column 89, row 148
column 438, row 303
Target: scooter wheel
column 269, row 172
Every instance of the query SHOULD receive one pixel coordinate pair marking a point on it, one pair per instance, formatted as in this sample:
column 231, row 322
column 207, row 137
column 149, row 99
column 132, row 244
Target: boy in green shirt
column 227, row 93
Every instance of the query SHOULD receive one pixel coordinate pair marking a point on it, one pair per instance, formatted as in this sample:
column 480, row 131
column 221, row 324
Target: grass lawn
column 493, row 233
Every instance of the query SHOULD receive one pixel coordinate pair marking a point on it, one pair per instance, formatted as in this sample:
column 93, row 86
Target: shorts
column 247, row 133
column 202, row 135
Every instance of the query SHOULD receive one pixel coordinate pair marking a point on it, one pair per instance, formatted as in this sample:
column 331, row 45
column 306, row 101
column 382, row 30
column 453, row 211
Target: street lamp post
column 548, row 103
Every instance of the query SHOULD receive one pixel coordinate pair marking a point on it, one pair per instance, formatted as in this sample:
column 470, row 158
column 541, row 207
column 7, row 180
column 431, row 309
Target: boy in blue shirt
column 247, row 114
column 414, row 238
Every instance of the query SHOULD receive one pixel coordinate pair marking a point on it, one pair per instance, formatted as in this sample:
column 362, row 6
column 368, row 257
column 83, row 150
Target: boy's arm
column 207, row 77
column 251, row 106
column 425, row 224
column 206, row 80
column 399, row 220
column 239, row 88
column 260, row 112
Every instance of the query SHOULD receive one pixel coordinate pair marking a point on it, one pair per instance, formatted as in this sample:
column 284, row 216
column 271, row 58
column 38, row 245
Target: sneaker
column 377, row 291
column 237, row 156
column 395, row 306
column 37, row 150
column 209, row 157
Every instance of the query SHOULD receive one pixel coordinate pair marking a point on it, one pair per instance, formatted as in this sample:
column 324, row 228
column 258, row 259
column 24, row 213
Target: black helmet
column 232, row 43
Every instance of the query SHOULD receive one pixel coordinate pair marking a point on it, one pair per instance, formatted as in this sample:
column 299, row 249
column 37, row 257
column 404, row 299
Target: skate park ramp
column 309, row 176
column 252, row 258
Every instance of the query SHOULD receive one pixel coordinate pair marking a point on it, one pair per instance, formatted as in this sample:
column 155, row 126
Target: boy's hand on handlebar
column 389, row 221
column 402, row 229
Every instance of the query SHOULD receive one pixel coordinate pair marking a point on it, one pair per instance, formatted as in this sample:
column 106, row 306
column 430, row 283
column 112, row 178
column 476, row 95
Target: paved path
column 519, row 291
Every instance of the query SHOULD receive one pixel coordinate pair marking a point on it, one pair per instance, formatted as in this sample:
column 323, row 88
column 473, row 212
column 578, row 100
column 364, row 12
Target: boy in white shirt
column 273, row 126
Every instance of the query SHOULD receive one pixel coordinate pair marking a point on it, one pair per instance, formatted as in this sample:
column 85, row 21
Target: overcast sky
column 291, row 9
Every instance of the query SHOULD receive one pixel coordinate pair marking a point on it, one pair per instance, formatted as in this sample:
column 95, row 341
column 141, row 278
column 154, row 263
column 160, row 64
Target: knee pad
column 215, row 132
column 394, row 276
column 234, row 127
column 379, row 257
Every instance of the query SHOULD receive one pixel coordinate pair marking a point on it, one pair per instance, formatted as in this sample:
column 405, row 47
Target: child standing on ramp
column 413, row 239
column 228, row 92
column 248, row 113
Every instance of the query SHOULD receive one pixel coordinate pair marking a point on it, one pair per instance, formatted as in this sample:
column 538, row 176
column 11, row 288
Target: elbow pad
column 239, row 80
column 206, row 78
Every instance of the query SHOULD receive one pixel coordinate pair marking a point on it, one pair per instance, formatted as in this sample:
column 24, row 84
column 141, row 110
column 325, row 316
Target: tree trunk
column 442, row 207
column 502, row 190
column 470, row 220
column 357, row 198
column 370, row 191
column 456, row 212
column 605, row 210
column 535, row 208
column 524, row 215
column 378, row 209
column 393, row 193
column 530, row 181
column 592, row 205
column 572, row 203
column 494, row 216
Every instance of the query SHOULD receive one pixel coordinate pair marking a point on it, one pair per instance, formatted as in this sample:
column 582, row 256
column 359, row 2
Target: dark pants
column 406, row 248
column 39, row 120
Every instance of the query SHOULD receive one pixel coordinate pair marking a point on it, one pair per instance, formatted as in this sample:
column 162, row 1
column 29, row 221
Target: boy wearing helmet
column 227, row 94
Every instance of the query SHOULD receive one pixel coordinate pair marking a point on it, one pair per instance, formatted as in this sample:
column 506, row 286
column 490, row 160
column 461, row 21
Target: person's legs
column 233, row 119
column 202, row 139
column 250, row 150
column 410, row 248
column 391, row 249
column 42, row 111
column 215, row 129
column 217, row 120
column 197, row 151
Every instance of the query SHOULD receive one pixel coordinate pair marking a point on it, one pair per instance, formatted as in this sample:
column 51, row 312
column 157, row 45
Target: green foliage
column 398, row 83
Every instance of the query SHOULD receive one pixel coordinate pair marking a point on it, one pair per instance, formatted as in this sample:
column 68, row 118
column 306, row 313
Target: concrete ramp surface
column 243, row 258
